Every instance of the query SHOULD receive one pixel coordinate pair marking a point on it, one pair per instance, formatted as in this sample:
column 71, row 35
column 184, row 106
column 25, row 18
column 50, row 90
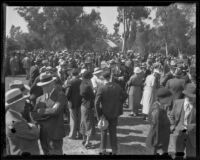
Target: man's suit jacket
column 49, row 116
column 177, row 117
column 21, row 137
column 73, row 93
column 176, row 86
column 34, row 72
column 111, row 97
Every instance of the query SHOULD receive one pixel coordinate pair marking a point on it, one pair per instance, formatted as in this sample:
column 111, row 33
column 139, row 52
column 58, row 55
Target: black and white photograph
column 100, row 80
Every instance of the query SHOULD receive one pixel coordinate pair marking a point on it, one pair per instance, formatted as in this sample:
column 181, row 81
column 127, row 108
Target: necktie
column 187, row 112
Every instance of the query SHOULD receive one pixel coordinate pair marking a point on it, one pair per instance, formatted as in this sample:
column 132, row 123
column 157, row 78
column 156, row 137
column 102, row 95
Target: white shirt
column 187, row 112
column 96, row 82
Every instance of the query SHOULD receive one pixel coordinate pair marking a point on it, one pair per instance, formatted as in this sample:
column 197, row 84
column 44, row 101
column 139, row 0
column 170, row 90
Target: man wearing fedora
column 109, row 103
column 183, row 122
column 96, row 81
column 21, row 135
column 48, row 113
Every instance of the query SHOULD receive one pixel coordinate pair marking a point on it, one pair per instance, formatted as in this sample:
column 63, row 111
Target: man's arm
column 68, row 91
column 98, row 100
column 23, row 130
column 172, row 117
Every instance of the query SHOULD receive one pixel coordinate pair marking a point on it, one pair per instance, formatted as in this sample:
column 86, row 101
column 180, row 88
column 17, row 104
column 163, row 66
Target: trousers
column 75, row 116
column 182, row 143
column 112, row 129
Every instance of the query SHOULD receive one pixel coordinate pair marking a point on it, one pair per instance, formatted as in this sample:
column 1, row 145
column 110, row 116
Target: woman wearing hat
column 48, row 113
column 150, row 88
column 135, row 91
column 158, row 138
column 21, row 135
column 87, row 113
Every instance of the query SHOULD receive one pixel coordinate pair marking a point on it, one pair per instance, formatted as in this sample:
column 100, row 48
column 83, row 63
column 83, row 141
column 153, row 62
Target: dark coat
column 35, row 91
column 176, row 86
column 87, row 94
column 111, row 97
column 177, row 120
column 21, row 137
column 34, row 72
column 159, row 133
column 73, row 93
column 48, row 117
column 167, row 77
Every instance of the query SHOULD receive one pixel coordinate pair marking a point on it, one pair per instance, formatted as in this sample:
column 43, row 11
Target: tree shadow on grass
column 131, row 121
column 135, row 149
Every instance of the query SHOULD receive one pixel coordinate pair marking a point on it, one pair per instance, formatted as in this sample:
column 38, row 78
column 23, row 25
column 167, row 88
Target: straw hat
column 19, row 84
column 14, row 96
column 97, row 70
column 45, row 79
column 137, row 70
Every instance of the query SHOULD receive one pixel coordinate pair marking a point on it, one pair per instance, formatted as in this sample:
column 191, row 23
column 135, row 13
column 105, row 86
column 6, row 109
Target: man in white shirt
column 96, row 80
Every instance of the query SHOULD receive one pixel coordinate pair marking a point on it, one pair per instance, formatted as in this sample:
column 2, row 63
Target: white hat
column 156, row 71
column 137, row 70
column 97, row 70
column 13, row 96
column 45, row 79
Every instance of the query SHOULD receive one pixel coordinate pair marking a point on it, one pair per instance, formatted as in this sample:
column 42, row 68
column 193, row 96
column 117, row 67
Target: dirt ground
column 131, row 133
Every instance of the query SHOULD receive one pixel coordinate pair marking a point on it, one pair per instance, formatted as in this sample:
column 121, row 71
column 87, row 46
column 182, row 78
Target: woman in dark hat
column 158, row 138
column 87, row 113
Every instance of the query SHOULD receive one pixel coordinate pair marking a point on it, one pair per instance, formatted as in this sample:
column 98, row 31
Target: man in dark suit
column 34, row 71
column 22, row 137
column 109, row 103
column 183, row 120
column 48, row 113
column 176, row 85
column 74, row 103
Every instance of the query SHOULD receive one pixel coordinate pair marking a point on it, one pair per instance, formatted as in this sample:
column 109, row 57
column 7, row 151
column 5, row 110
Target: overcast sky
column 108, row 16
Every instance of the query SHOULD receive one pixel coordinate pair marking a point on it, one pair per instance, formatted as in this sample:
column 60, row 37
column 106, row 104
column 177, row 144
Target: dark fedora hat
column 163, row 92
column 190, row 90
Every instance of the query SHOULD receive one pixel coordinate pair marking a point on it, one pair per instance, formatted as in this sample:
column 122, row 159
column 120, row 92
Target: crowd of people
column 90, row 90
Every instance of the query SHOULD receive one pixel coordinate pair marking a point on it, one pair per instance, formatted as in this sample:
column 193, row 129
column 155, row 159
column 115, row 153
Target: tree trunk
column 166, row 48
column 124, row 38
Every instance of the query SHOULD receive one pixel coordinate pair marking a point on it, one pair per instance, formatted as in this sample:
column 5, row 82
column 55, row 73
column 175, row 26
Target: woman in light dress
column 149, row 93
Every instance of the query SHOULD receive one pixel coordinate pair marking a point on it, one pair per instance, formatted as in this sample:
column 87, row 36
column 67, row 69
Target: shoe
column 133, row 114
column 69, row 137
column 102, row 153
column 89, row 146
column 79, row 136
